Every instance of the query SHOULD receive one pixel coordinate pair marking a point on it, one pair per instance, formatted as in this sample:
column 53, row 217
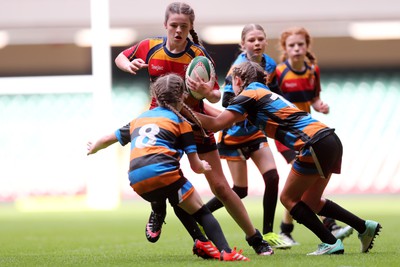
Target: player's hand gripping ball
column 204, row 69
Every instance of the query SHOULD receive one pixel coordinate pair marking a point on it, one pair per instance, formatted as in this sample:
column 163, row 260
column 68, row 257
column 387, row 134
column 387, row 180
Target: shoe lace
column 206, row 249
column 237, row 255
column 240, row 250
column 323, row 246
column 208, row 245
column 156, row 220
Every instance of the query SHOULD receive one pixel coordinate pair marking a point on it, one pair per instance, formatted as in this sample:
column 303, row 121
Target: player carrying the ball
column 172, row 54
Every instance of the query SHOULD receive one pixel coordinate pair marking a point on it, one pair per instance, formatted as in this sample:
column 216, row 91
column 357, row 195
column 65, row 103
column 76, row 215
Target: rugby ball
column 204, row 69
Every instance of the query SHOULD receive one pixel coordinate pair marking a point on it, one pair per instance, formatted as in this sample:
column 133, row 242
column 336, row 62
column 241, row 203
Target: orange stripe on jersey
column 140, row 152
column 299, row 87
column 157, row 182
column 305, row 106
column 286, row 112
column 161, row 61
column 188, row 193
column 176, row 128
column 270, row 131
column 310, row 130
column 232, row 140
column 163, row 123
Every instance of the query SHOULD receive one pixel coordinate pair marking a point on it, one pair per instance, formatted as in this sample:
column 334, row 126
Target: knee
column 283, row 200
column 315, row 205
column 221, row 192
column 240, row 191
column 286, row 201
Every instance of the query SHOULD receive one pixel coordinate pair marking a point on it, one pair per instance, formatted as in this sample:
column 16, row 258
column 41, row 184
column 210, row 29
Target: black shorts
column 289, row 155
column 206, row 144
column 241, row 153
column 327, row 153
column 171, row 192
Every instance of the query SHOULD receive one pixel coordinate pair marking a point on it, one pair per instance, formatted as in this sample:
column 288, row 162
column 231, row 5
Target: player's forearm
column 102, row 143
column 121, row 61
column 214, row 96
column 210, row 123
column 211, row 110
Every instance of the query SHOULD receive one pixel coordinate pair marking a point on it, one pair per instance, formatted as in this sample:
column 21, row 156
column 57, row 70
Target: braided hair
column 183, row 8
column 249, row 72
column 168, row 91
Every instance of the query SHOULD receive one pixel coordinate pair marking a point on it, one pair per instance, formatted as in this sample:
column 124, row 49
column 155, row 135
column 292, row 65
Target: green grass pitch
column 116, row 238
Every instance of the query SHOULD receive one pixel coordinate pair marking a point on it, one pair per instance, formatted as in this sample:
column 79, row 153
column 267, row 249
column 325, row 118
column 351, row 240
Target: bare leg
column 221, row 189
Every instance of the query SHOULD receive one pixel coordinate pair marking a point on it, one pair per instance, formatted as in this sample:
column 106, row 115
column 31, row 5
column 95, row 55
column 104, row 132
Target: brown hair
column 183, row 8
column 168, row 91
column 297, row 30
column 249, row 72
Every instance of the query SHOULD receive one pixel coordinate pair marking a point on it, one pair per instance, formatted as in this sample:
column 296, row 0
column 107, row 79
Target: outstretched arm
column 224, row 120
column 211, row 110
column 102, row 143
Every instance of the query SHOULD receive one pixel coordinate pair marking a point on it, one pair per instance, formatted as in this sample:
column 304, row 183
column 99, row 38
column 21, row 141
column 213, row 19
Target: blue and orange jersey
column 300, row 88
column 161, row 61
column 158, row 140
column 243, row 133
column 275, row 116
column 267, row 63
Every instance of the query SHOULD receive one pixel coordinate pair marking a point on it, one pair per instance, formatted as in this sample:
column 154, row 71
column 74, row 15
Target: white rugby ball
column 204, row 69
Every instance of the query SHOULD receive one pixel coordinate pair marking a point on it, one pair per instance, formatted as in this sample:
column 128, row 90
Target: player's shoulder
column 270, row 64
column 316, row 68
column 255, row 90
column 162, row 117
column 269, row 60
column 198, row 50
column 281, row 67
column 151, row 42
column 240, row 59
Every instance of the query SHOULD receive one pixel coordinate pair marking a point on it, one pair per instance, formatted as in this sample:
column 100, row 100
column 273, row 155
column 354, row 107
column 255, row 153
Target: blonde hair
column 251, row 27
column 168, row 91
column 183, row 8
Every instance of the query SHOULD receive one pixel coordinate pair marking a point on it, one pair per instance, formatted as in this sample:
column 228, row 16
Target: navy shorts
column 326, row 153
column 175, row 193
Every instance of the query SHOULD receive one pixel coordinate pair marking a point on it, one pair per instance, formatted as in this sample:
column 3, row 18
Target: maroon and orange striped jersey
column 161, row 61
column 300, row 88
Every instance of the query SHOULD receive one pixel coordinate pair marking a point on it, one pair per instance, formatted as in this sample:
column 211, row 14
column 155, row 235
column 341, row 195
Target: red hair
column 292, row 31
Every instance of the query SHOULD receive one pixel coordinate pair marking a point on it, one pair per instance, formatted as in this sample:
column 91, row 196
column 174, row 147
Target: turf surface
column 116, row 238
